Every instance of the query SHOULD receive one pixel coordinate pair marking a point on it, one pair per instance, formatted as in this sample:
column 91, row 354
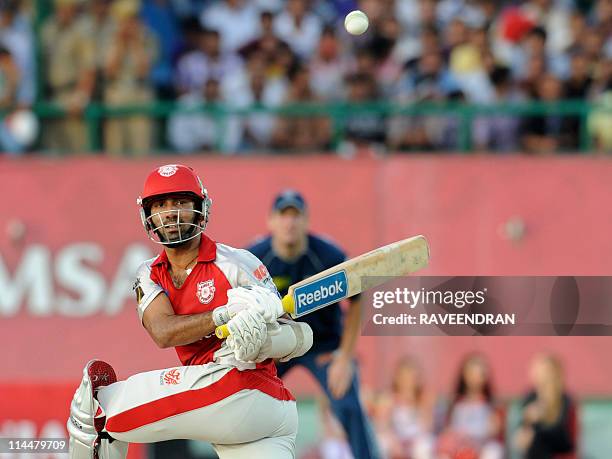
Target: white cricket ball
column 356, row 22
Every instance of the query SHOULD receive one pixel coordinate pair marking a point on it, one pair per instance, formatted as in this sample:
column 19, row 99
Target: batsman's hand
column 248, row 333
column 265, row 301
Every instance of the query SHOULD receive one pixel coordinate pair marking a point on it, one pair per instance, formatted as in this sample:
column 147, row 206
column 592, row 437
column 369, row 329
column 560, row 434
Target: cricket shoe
column 87, row 418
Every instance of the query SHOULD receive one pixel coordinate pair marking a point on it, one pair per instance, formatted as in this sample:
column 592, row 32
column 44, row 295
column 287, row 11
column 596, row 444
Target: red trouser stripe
column 232, row 382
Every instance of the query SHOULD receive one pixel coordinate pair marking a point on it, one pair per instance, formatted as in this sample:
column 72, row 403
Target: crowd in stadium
column 411, row 422
column 272, row 53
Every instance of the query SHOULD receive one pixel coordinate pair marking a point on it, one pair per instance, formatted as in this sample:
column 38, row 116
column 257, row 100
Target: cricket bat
column 346, row 279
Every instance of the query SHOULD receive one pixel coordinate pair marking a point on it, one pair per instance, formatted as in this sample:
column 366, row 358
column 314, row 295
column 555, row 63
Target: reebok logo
column 321, row 292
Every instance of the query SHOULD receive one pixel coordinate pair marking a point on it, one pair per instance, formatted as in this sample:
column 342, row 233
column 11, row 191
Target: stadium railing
column 96, row 113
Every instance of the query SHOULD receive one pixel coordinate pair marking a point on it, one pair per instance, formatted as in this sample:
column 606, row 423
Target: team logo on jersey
column 260, row 273
column 206, row 291
column 170, row 377
column 167, row 171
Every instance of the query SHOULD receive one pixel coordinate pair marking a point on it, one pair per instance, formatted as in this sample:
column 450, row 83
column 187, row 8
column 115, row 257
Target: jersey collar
column 207, row 252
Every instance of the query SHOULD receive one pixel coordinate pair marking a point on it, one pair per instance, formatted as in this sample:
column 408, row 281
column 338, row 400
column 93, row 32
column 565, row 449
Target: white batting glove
column 265, row 301
column 248, row 333
column 222, row 314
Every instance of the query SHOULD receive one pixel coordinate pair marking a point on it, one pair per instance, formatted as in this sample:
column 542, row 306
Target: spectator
column 300, row 28
column 364, row 62
column 577, row 29
column 550, row 131
column 204, row 63
column 69, row 65
column 389, row 61
column 455, row 34
column 409, row 430
column 99, row 25
column 466, row 62
column 160, row 17
column 17, row 37
column 548, row 427
column 430, row 80
column 473, row 13
column 248, row 88
column 328, row 67
column 9, row 80
column 267, row 43
column 499, row 132
column 536, row 70
column 554, row 17
column 301, row 133
column 421, row 14
column 190, row 132
column 602, row 77
column 363, row 129
column 592, row 43
column 129, row 58
column 535, row 46
column 474, row 425
column 416, row 15
column 284, row 61
column 578, row 85
column 236, row 21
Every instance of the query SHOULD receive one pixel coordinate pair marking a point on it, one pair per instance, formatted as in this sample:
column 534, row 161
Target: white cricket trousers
column 235, row 411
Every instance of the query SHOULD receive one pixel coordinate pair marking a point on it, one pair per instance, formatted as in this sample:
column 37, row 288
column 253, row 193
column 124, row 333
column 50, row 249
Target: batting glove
column 263, row 300
column 248, row 333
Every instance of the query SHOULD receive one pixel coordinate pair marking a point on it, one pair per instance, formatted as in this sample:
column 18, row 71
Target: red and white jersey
column 218, row 269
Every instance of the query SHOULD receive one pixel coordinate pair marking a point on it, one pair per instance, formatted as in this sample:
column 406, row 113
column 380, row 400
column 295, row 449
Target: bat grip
column 222, row 331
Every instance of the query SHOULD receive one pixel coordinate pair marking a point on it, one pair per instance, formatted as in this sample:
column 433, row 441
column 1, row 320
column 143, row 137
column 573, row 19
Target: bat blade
column 345, row 279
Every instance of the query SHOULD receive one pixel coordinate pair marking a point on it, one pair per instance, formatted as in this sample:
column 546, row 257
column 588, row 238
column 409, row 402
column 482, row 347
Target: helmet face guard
column 174, row 227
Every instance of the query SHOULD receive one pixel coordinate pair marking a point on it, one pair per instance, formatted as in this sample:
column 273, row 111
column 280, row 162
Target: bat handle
column 222, row 331
column 288, row 304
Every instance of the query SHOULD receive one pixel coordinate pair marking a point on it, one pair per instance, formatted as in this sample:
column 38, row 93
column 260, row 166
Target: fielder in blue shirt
column 292, row 254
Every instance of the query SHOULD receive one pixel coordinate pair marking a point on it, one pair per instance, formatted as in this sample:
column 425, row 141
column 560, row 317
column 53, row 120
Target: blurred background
column 483, row 125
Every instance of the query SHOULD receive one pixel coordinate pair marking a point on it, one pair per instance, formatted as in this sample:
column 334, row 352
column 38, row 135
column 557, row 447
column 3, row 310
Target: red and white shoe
column 100, row 374
column 87, row 418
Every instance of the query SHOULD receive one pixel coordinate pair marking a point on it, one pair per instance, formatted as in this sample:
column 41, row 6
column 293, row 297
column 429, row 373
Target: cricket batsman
column 226, row 392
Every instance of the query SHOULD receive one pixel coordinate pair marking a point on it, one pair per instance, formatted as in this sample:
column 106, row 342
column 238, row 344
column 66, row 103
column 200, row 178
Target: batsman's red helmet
column 173, row 179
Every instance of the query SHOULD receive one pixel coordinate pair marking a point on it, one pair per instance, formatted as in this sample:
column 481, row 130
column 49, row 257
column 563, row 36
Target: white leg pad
column 80, row 424
column 86, row 413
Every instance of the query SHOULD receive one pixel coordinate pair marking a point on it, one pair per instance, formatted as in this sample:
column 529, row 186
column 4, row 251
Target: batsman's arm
column 169, row 329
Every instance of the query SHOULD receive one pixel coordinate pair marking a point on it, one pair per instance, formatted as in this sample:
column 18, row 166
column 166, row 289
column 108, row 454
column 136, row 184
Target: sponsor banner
column 71, row 239
column 489, row 306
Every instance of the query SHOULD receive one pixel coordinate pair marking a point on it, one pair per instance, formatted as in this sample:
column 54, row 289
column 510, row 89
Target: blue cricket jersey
column 326, row 323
